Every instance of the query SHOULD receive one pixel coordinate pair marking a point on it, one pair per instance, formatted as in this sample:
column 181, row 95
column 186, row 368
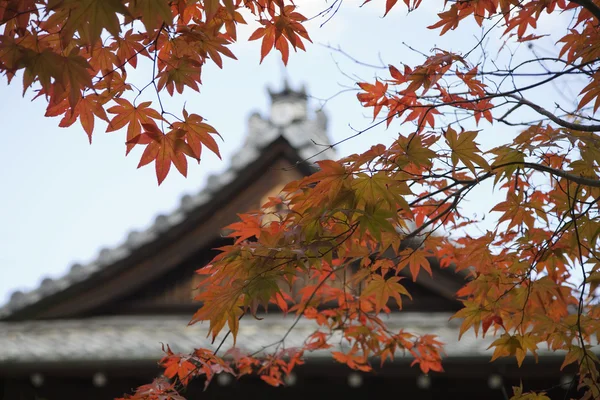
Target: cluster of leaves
column 335, row 247
column 77, row 54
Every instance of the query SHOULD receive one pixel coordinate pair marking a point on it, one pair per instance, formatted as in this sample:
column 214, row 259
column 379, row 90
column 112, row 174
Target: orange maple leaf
column 85, row 110
column 179, row 72
column 133, row 117
column 279, row 30
column 198, row 134
column 164, row 150
column 375, row 96
column 415, row 259
column 128, row 47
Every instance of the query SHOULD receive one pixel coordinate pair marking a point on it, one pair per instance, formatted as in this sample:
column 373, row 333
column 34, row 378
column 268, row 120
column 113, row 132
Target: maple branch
column 544, row 168
column 528, row 87
column 497, row 72
column 590, row 6
column 468, row 184
column 155, row 59
column 332, row 9
column 124, row 63
column 458, row 197
column 586, row 355
column 300, row 314
column 347, row 138
column 554, row 118
column 487, row 96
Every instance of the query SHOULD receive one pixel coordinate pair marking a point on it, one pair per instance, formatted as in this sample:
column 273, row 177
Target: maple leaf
column 508, row 159
column 102, row 59
column 489, row 321
column 448, row 20
column 88, row 17
column 464, row 149
column 198, row 134
column 75, row 77
column 18, row 11
column 281, row 300
column 164, row 150
column 415, row 260
column 207, row 43
column 375, row 96
column 575, row 354
column 519, row 395
column 280, row 30
column 42, row 66
column 220, row 308
column 427, row 354
column 153, row 13
column 11, row 55
column 330, row 177
column 229, row 18
column 114, row 85
column 128, row 47
column 592, row 91
column 133, row 117
column 159, row 389
column 506, row 345
column 248, row 226
column 471, row 313
column 423, row 115
column 416, row 149
column 61, row 76
column 355, row 362
column 77, row 56
column 388, row 6
column 176, row 365
column 384, row 289
column 476, row 86
column 515, row 211
column 180, row 72
column 89, row 106
column 527, row 343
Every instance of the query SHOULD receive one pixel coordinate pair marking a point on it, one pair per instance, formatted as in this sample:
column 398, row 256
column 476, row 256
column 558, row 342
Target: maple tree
column 348, row 230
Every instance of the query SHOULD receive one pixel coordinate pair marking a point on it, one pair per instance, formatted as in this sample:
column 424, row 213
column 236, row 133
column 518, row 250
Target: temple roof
column 139, row 338
column 305, row 136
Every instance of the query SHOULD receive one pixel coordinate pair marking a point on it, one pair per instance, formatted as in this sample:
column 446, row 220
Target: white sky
column 63, row 200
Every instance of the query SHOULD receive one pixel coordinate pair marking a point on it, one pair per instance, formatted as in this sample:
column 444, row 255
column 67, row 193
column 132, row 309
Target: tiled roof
column 306, row 136
column 136, row 338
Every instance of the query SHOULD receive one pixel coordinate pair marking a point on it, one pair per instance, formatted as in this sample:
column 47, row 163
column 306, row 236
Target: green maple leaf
column 465, row 150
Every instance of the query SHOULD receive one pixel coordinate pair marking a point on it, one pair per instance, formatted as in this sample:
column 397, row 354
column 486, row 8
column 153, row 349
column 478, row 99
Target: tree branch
column 573, row 178
column 554, row 118
column 590, row 6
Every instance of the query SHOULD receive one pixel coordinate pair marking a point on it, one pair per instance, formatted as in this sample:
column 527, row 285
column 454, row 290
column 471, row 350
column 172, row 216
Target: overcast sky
column 62, row 200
